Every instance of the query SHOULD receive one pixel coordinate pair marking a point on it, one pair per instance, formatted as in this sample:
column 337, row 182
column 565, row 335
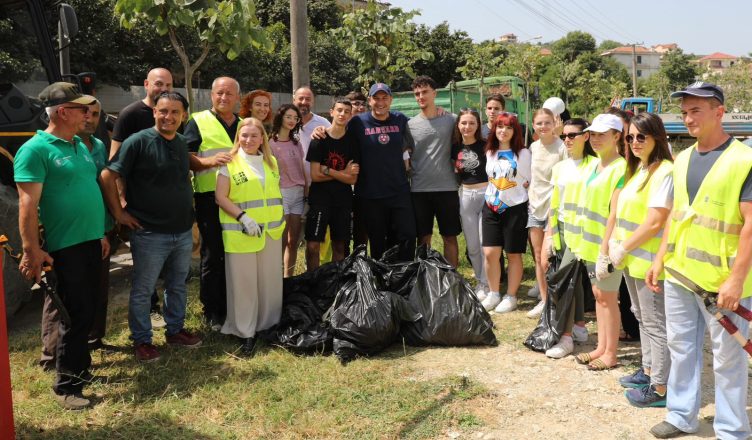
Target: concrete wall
column 650, row 62
column 114, row 98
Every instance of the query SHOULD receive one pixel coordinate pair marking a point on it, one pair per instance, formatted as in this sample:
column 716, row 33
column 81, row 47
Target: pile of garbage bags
column 360, row 306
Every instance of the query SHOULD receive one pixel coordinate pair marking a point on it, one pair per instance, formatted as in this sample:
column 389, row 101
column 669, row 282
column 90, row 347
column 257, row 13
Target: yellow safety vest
column 704, row 235
column 593, row 207
column 631, row 212
column 214, row 139
column 568, row 202
column 264, row 205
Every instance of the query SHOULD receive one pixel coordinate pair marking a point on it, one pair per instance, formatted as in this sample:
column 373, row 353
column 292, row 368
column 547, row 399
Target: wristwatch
column 325, row 170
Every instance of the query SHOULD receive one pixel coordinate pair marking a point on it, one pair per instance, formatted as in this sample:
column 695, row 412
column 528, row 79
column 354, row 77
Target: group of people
column 608, row 194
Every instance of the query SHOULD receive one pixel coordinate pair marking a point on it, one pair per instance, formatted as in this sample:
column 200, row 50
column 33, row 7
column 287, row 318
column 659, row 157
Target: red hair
column 247, row 102
column 507, row 120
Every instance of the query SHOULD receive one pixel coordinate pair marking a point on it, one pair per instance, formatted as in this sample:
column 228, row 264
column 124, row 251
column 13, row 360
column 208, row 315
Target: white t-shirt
column 507, row 176
column 544, row 157
column 255, row 162
column 305, row 139
column 661, row 196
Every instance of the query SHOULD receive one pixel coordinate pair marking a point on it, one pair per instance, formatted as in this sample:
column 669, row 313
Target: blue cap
column 379, row 87
column 701, row 90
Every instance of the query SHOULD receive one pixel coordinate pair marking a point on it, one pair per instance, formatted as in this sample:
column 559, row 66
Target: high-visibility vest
column 631, row 212
column 593, row 207
column 214, row 139
column 704, row 235
column 568, row 202
column 262, row 204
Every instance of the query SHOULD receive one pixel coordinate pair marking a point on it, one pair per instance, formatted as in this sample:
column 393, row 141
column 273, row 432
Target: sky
column 698, row 27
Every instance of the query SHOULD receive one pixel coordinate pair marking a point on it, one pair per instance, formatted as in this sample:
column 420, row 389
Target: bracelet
column 240, row 215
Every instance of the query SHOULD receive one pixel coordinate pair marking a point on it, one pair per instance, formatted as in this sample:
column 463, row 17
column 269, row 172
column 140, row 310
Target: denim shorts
column 534, row 222
column 293, row 200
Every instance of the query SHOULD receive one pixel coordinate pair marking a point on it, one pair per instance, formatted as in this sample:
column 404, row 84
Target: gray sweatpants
column 650, row 311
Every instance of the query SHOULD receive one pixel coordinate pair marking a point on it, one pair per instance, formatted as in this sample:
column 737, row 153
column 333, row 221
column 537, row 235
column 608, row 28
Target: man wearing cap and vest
column 210, row 135
column 57, row 184
column 709, row 241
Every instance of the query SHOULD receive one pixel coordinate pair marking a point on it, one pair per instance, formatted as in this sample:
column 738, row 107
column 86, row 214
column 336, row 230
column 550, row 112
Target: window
column 639, row 59
column 639, row 73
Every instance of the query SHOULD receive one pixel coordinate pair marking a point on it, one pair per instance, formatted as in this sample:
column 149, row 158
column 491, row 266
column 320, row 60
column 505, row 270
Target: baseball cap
column 379, row 87
column 701, row 90
column 62, row 92
column 605, row 122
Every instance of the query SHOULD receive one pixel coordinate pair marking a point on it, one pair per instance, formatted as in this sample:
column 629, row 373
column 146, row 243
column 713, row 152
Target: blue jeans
column 686, row 320
column 155, row 253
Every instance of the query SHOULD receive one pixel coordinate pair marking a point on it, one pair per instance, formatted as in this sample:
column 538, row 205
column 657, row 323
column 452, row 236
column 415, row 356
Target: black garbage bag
column 305, row 299
column 451, row 313
column 394, row 275
column 563, row 281
column 365, row 320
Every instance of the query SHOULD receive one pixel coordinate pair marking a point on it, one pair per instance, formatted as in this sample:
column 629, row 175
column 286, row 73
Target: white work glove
column 616, row 252
column 601, row 267
column 250, row 227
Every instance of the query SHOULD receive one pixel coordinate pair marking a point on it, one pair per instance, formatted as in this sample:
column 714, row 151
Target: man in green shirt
column 57, row 184
column 159, row 210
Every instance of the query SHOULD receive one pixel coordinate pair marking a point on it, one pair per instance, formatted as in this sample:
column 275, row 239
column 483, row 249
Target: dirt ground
column 530, row 396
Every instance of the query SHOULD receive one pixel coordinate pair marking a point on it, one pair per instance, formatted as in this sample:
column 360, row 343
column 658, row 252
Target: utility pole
column 634, row 69
column 299, row 43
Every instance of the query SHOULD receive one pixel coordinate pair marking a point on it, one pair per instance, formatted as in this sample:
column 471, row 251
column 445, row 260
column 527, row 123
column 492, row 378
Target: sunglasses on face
column 639, row 138
column 570, row 135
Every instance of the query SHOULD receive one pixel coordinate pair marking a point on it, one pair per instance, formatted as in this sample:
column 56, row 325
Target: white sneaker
column 492, row 300
column 157, row 320
column 579, row 333
column 563, row 348
column 537, row 310
column 480, row 292
column 534, row 292
column 507, row 304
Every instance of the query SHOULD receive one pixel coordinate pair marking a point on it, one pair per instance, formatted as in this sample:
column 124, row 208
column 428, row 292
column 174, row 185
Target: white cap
column 605, row 122
column 556, row 105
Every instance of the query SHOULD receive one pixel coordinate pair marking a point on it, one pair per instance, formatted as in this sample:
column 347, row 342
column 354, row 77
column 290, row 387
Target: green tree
column 230, row 26
column 381, row 42
column 736, row 82
column 572, row 45
column 450, row 50
column 608, row 45
column 18, row 58
column 678, row 68
column 484, row 59
column 322, row 14
column 593, row 92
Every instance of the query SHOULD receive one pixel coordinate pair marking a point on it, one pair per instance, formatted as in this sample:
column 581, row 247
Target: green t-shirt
column 99, row 154
column 158, row 186
column 71, row 206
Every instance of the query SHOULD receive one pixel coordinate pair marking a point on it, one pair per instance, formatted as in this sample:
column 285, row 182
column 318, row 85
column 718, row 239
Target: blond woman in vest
column 595, row 203
column 641, row 212
column 252, row 219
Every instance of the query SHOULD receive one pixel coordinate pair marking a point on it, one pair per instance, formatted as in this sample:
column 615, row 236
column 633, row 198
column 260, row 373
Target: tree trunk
column 299, row 44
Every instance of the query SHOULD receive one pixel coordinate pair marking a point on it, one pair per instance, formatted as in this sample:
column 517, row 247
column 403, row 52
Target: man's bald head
column 226, row 80
column 158, row 81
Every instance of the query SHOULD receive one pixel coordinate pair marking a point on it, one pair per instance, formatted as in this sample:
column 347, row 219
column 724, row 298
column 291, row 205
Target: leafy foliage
column 450, row 50
column 381, row 42
column 18, row 58
column 736, row 83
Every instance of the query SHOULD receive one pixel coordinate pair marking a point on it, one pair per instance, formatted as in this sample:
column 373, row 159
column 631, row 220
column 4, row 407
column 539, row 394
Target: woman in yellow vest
column 596, row 200
column 567, row 177
column 252, row 221
column 641, row 213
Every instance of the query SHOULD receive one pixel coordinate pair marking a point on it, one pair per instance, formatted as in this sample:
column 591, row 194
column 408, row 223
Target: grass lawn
column 211, row 393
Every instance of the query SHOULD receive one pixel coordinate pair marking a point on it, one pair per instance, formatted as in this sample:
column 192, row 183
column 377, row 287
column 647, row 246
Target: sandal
column 599, row 365
column 583, row 358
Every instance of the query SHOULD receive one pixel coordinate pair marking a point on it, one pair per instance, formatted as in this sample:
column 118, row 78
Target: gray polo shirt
column 431, row 157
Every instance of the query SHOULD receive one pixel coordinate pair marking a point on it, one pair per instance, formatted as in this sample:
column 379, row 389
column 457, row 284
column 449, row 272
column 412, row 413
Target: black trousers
column 213, row 292
column 77, row 269
column 389, row 222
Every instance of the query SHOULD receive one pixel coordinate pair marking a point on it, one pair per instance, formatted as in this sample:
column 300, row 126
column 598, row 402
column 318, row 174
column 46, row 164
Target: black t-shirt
column 159, row 192
column 470, row 162
column 335, row 154
column 132, row 119
column 701, row 163
column 381, row 143
column 193, row 134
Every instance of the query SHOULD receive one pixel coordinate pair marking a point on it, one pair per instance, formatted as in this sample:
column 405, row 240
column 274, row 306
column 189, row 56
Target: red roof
column 718, row 56
column 627, row 50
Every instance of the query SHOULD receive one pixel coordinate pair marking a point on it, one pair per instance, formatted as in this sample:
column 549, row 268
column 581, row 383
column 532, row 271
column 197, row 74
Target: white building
column 648, row 60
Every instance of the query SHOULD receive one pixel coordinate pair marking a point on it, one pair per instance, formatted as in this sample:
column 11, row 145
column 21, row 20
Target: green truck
column 472, row 93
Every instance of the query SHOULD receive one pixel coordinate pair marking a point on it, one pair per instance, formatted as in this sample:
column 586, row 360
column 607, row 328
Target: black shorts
column 336, row 219
column 444, row 205
column 508, row 229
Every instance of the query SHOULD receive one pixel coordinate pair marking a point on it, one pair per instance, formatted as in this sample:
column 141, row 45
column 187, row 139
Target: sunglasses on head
column 571, row 135
column 639, row 138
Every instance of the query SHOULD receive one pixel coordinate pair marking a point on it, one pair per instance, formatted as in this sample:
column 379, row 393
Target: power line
column 536, row 14
column 586, row 26
column 502, row 18
column 614, row 25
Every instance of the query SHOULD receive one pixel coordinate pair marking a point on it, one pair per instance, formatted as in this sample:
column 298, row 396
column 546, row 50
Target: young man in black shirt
column 334, row 169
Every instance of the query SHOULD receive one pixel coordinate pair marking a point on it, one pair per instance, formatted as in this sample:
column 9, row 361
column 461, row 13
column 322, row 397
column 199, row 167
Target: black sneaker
column 645, row 397
column 666, row 430
column 248, row 347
